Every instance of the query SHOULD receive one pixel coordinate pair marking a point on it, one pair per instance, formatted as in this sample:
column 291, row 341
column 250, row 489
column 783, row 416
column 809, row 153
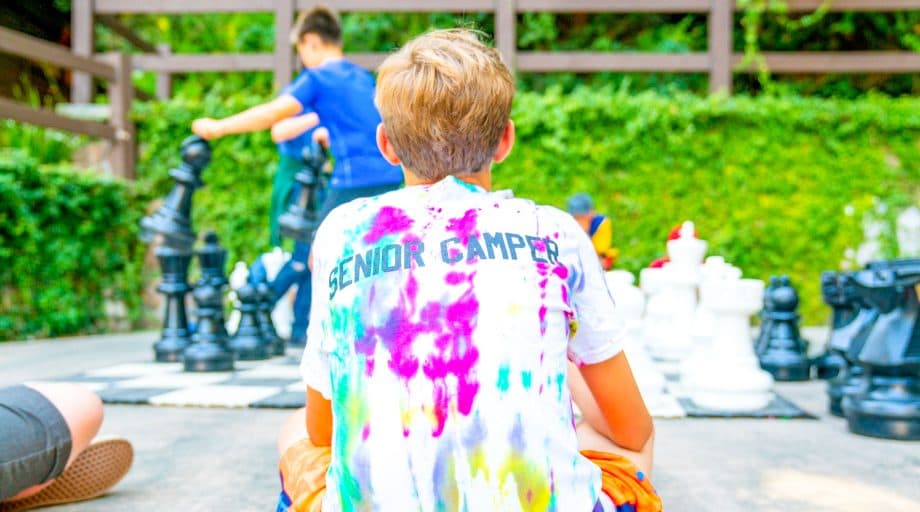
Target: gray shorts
column 34, row 440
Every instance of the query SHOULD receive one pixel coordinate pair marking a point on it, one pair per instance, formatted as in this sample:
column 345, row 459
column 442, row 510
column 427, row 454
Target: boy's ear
column 505, row 143
column 386, row 148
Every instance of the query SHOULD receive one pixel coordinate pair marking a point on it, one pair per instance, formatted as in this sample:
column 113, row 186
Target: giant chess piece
column 783, row 353
column 843, row 311
column 889, row 405
column 264, row 313
column 630, row 302
column 171, row 227
column 768, row 307
column 248, row 343
column 208, row 351
column 301, row 219
column 680, row 278
column 173, row 221
column 175, row 335
column 726, row 376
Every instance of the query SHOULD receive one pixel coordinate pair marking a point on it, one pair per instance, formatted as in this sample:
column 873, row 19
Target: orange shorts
column 304, row 466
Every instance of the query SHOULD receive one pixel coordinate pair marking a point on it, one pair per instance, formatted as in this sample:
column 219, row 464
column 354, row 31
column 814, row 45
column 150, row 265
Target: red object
column 659, row 262
column 675, row 233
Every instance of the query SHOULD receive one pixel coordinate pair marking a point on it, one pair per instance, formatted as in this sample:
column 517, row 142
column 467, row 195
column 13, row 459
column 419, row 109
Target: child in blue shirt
column 340, row 95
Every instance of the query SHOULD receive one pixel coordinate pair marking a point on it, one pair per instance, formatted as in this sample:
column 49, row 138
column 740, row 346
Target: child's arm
column 319, row 418
column 609, row 400
column 259, row 117
column 287, row 129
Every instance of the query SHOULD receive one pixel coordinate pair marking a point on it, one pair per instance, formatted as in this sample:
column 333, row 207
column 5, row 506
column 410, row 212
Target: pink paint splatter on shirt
column 464, row 227
column 366, row 432
column 561, row 271
column 388, row 221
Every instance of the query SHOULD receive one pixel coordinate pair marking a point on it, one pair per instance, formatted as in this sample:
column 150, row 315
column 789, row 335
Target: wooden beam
column 115, row 25
column 665, row 6
column 721, row 21
column 121, row 95
column 25, row 114
column 612, row 61
column 284, row 56
column 836, row 62
column 16, row 43
column 181, row 6
column 506, row 30
column 81, row 43
column 367, row 60
column 855, row 5
column 403, row 5
column 199, row 62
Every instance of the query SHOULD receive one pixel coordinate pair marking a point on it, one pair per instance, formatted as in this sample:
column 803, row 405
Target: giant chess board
column 276, row 383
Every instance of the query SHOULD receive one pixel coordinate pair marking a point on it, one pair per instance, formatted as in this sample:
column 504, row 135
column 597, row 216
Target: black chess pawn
column 782, row 349
column 266, row 304
column 248, row 343
column 174, row 287
column 764, row 317
column 844, row 308
column 208, row 351
column 888, row 406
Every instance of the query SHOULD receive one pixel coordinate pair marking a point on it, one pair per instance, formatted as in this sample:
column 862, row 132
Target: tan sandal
column 96, row 470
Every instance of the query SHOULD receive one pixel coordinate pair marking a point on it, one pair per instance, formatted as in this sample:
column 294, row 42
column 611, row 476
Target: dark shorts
column 34, row 440
column 339, row 196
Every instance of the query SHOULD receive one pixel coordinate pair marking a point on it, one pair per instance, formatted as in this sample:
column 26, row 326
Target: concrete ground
column 218, row 459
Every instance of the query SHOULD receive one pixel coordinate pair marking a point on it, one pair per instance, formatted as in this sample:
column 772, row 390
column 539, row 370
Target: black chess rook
column 174, row 287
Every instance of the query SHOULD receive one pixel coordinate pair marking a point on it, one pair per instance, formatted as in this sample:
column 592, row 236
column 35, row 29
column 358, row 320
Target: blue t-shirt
column 342, row 94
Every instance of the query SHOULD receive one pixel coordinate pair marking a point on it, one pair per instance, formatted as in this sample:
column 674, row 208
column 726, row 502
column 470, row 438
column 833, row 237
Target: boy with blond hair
column 445, row 316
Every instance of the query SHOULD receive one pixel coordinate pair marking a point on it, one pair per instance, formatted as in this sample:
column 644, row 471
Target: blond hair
column 445, row 99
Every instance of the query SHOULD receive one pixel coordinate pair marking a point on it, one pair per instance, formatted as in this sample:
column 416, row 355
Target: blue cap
column 580, row 204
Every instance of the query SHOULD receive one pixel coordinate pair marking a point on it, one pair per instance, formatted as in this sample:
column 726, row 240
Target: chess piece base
column 250, row 347
column 788, row 373
column 828, row 365
column 207, row 357
column 889, row 408
column 849, row 382
column 169, row 349
column 730, row 384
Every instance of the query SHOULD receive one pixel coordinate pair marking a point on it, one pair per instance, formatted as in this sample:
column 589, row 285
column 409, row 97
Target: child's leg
column 293, row 430
column 303, row 467
column 592, row 431
column 82, row 412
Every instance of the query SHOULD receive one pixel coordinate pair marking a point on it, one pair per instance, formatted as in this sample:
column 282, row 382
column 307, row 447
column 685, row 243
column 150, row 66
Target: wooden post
column 284, row 57
column 121, row 94
column 82, row 40
column 164, row 78
column 506, row 30
column 721, row 19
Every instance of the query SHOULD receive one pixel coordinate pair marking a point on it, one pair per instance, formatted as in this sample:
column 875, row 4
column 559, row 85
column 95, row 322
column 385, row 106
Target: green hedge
column 766, row 180
column 68, row 243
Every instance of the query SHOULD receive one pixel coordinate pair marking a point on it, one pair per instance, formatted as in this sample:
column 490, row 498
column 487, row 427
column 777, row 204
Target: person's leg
column 293, row 430
column 82, row 412
column 303, row 467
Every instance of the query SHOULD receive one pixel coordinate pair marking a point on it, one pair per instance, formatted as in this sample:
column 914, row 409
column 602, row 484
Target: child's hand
column 206, row 128
column 321, row 136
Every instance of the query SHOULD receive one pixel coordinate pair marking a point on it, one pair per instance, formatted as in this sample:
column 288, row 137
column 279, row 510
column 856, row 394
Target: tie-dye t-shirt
column 443, row 316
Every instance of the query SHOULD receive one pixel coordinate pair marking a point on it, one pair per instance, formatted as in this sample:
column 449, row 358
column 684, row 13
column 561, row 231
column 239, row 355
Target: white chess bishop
column 726, row 375
column 630, row 304
column 673, row 301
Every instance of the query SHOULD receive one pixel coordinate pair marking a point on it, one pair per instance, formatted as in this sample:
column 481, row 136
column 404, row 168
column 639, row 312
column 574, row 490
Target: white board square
column 136, row 370
column 215, row 396
column 175, row 380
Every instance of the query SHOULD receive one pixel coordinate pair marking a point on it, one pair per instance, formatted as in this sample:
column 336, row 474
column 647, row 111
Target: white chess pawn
column 727, row 375
column 238, row 277
column 715, row 268
column 283, row 313
column 630, row 304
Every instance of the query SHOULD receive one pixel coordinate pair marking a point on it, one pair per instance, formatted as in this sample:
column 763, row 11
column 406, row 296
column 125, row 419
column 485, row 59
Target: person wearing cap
column 599, row 228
